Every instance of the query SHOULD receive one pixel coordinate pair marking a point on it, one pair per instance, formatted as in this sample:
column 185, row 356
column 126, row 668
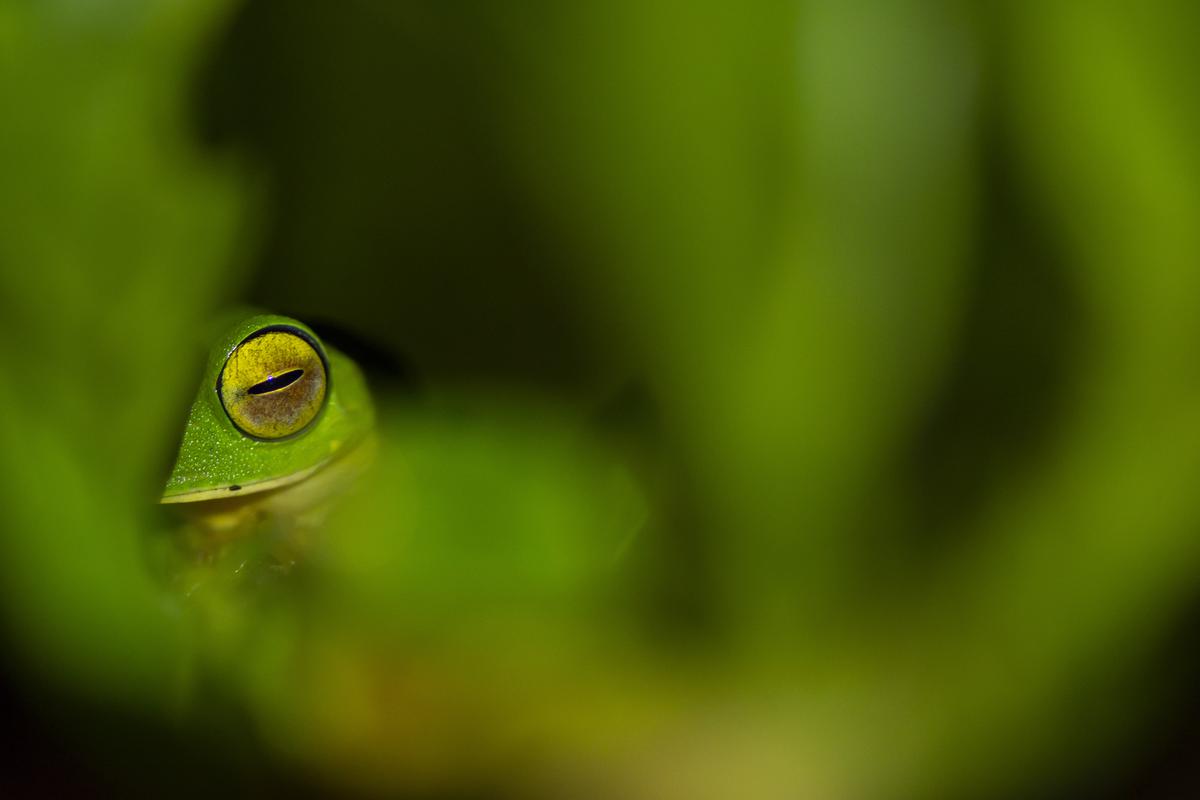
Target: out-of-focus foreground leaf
column 115, row 238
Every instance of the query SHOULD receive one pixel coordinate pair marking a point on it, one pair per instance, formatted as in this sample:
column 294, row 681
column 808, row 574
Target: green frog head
column 274, row 407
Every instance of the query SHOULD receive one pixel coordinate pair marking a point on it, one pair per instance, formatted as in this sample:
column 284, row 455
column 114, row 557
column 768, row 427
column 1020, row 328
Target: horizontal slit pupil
column 276, row 382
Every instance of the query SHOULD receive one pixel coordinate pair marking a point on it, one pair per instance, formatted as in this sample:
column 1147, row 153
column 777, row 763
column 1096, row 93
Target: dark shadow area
column 390, row 210
column 1004, row 396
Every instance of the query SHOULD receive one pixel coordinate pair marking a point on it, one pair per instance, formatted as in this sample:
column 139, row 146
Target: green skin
column 217, row 461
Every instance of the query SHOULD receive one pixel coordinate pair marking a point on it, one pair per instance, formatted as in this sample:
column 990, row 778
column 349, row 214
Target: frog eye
column 273, row 384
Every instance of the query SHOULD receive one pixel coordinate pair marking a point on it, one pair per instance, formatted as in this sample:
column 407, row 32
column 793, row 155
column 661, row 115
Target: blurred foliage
column 874, row 320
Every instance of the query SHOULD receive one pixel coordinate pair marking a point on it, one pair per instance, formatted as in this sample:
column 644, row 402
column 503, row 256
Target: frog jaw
column 237, row 489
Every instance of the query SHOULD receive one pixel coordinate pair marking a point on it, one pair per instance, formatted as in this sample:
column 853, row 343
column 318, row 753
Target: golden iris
column 273, row 383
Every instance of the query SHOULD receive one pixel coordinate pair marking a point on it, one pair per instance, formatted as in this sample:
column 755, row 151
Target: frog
column 281, row 424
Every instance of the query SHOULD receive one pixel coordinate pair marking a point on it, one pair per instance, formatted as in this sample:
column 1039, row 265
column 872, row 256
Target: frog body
column 280, row 427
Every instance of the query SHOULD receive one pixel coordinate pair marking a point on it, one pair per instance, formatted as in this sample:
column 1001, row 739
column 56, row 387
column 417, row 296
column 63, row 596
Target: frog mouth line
column 359, row 446
column 240, row 490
